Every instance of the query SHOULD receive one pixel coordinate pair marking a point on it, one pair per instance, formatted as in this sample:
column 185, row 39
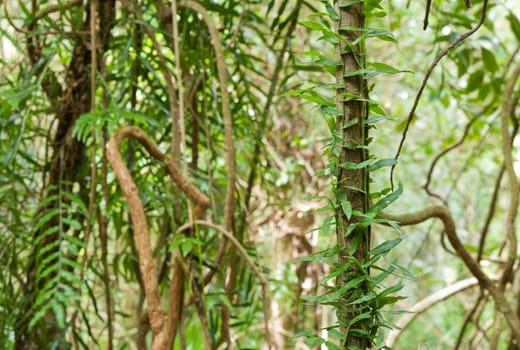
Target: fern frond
column 59, row 283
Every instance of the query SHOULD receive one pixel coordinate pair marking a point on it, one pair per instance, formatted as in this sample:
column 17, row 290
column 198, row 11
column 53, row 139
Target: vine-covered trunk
column 352, row 177
column 69, row 101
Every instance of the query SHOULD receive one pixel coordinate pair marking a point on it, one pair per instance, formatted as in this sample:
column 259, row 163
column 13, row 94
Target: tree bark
column 352, row 182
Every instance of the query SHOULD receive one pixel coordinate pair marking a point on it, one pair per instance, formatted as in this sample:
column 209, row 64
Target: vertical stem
column 352, row 184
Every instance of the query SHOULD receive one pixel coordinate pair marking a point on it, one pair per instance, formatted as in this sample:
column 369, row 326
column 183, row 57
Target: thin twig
column 427, row 14
column 485, row 281
column 436, row 61
column 425, row 304
column 469, row 317
column 456, row 144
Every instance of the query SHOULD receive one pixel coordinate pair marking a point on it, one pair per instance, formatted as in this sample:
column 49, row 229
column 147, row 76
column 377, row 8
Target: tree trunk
column 68, row 154
column 352, row 183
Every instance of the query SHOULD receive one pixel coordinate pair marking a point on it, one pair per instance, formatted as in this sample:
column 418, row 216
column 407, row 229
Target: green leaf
column 381, row 163
column 305, row 333
column 364, row 316
column 355, row 166
column 46, row 218
column 381, row 34
column 406, row 274
column 311, row 53
column 490, row 62
column 313, row 25
column 224, row 299
column 330, row 110
column 339, row 270
column 319, row 255
column 74, row 224
column 376, row 119
column 349, row 3
column 294, row 92
column 390, row 290
column 363, row 299
column 332, row 12
column 348, row 286
column 385, row 68
column 385, row 247
column 329, row 63
column 346, row 208
column 475, row 80
column 357, row 72
column 387, row 200
column 515, row 24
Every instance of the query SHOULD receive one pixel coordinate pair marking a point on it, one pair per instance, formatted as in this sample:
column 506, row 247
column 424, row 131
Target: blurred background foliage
column 69, row 276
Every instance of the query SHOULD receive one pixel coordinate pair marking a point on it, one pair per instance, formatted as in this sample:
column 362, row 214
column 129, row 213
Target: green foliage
column 49, row 270
column 59, row 287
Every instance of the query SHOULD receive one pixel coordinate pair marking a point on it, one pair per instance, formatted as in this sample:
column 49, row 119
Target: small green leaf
column 385, row 247
column 224, row 299
column 329, row 63
column 357, row 72
column 364, row 316
column 332, row 12
column 381, row 163
column 385, row 68
column 337, row 271
column 355, row 166
column 313, row 25
column 387, row 200
column 382, row 34
column 489, row 59
column 390, row 290
column 330, row 110
column 475, row 80
column 515, row 24
column 346, row 208
column 318, row 256
column 349, row 285
column 349, row 3
column 376, row 119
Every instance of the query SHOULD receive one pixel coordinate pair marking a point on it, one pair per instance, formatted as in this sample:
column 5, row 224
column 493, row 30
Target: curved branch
column 470, row 317
column 436, row 61
column 425, row 304
column 454, row 145
column 163, row 329
column 445, row 216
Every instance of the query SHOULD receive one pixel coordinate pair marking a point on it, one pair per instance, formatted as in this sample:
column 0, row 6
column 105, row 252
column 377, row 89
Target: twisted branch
column 485, row 282
column 164, row 330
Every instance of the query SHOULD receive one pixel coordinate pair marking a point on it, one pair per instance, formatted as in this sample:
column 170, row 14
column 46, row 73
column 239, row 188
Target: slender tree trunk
column 352, row 183
column 69, row 102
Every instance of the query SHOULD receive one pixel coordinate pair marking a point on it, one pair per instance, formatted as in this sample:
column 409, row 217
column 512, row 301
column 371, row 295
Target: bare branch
column 485, row 281
column 427, row 303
